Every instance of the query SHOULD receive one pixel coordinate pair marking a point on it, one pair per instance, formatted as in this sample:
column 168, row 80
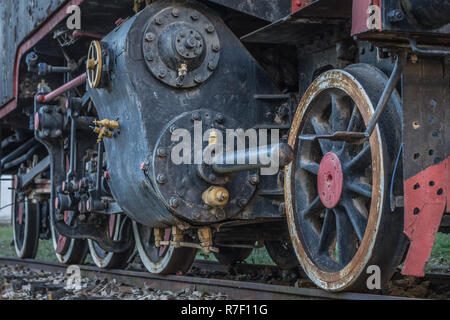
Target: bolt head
column 216, row 47
column 149, row 36
column 162, row 152
column 242, row 203
column 198, row 79
column 176, row 13
column 161, row 178
column 209, row 28
column 194, row 16
column 196, row 116
column 220, row 119
column 254, row 180
column 174, row 202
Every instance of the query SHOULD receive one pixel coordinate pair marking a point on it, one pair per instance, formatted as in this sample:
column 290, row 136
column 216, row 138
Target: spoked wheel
column 68, row 251
column 110, row 260
column 282, row 253
column 165, row 259
column 337, row 193
column 232, row 255
column 25, row 226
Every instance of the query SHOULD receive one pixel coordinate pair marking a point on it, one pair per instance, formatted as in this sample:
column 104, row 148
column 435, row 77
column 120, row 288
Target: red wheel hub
column 330, row 180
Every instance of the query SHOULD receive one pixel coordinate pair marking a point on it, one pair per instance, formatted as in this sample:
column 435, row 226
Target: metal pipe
column 427, row 52
column 388, row 90
column 23, row 158
column 63, row 89
column 252, row 159
column 19, row 151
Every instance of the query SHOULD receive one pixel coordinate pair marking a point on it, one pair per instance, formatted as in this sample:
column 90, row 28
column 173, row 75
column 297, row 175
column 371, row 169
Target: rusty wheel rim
column 334, row 244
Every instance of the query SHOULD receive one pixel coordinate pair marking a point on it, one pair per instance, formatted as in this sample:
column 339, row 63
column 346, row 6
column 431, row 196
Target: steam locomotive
column 114, row 116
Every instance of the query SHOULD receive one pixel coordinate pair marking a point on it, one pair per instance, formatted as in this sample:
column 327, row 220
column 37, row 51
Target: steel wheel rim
column 150, row 255
column 333, row 279
column 63, row 258
column 101, row 257
column 20, row 229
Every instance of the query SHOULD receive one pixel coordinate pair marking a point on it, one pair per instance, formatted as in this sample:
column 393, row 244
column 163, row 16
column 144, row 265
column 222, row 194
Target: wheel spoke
column 345, row 237
column 328, row 232
column 359, row 187
column 311, row 167
column 322, row 128
column 357, row 215
column 362, row 160
column 340, row 112
column 313, row 207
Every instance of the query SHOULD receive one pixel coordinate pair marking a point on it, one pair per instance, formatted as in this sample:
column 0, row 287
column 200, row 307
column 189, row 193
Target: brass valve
column 103, row 129
column 216, row 196
column 205, row 237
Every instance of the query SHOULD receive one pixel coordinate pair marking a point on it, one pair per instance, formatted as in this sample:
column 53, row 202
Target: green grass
column 45, row 249
column 440, row 255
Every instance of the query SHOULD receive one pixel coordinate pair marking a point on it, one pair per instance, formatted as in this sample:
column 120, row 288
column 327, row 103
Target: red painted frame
column 299, row 4
column 35, row 37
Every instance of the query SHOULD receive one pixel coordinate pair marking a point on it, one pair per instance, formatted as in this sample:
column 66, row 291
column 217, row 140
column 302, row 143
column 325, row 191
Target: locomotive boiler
column 315, row 129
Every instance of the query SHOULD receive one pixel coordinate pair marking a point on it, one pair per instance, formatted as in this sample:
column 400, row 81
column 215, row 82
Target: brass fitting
column 108, row 124
column 182, row 71
column 205, row 237
column 212, row 138
column 91, row 63
column 216, row 196
column 177, row 236
column 103, row 133
column 158, row 233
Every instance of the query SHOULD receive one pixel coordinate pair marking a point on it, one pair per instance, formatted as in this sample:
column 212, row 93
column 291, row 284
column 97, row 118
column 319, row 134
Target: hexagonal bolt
column 176, row 13
column 242, row 203
column 162, row 152
column 212, row 66
column 162, row 73
column 161, row 178
column 209, row 28
column 159, row 21
column 198, row 79
column 174, row 202
column 149, row 36
column 195, row 16
column 216, row 47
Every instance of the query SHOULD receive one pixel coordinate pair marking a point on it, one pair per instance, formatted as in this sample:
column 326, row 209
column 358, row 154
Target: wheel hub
column 330, row 180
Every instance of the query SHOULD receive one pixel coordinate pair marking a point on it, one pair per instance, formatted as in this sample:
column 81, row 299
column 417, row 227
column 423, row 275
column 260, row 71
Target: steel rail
column 237, row 290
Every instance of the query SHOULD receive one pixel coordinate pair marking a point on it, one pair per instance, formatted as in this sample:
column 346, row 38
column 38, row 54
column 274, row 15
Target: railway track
column 238, row 290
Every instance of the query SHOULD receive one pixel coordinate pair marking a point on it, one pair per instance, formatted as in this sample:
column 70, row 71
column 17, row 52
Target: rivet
column 196, row 116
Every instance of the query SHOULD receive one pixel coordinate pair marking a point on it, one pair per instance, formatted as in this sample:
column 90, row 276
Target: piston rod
column 278, row 155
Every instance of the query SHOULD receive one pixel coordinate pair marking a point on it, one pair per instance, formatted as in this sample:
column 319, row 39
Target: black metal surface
column 145, row 106
column 294, row 28
column 426, row 115
column 429, row 14
column 263, row 9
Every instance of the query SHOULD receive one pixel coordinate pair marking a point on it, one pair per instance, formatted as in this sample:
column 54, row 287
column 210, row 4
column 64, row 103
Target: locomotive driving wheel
column 336, row 193
column 165, row 259
column 68, row 251
column 111, row 260
column 25, row 226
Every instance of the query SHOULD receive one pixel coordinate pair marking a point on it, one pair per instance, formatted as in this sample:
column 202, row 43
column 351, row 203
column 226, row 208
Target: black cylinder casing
column 144, row 106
